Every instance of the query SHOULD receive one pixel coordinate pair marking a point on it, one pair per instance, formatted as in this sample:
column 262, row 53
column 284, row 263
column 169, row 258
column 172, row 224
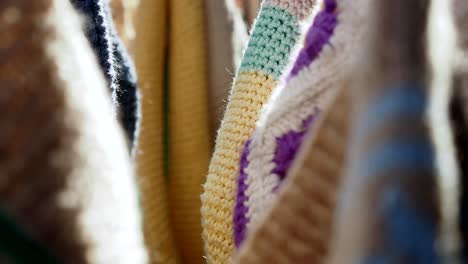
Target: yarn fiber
column 273, row 38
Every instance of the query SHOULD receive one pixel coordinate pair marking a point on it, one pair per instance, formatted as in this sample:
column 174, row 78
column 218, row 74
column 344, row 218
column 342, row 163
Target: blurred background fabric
column 184, row 75
column 116, row 64
column 233, row 131
column 67, row 176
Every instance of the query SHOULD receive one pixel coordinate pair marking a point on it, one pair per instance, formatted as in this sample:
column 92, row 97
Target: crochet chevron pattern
column 303, row 208
column 273, row 38
column 295, row 106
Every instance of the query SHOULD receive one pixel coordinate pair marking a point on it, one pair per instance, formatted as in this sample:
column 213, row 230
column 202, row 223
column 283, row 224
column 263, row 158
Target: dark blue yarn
column 127, row 94
column 377, row 259
column 125, row 79
column 95, row 30
column 407, row 230
column 410, row 237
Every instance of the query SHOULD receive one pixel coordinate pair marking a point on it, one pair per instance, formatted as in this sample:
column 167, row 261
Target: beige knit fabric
column 324, row 77
column 297, row 229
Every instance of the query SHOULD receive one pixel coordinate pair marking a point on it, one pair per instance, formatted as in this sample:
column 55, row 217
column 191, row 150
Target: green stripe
column 272, row 41
column 19, row 247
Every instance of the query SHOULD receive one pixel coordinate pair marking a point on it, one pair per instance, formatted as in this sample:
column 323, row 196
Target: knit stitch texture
column 273, row 38
column 115, row 62
column 152, row 34
column 316, row 76
column 175, row 140
column 190, row 145
column 298, row 227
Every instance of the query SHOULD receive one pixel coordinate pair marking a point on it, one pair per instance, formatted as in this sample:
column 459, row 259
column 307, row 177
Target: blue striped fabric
column 393, row 154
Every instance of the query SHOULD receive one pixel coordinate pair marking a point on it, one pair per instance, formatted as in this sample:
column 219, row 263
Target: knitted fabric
column 151, row 35
column 190, row 144
column 66, row 174
column 297, row 229
column 175, row 135
column 114, row 60
column 271, row 42
column 385, row 216
column 315, row 77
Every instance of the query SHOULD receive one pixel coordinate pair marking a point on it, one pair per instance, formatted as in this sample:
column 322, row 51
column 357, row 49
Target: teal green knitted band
column 272, row 40
column 18, row 247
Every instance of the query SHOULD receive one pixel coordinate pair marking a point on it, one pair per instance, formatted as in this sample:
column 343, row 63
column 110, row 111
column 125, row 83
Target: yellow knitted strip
column 150, row 49
column 252, row 89
column 273, row 37
column 190, row 141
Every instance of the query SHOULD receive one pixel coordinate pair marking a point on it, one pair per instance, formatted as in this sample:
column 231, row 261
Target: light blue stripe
column 272, row 40
column 399, row 154
column 407, row 234
column 403, row 101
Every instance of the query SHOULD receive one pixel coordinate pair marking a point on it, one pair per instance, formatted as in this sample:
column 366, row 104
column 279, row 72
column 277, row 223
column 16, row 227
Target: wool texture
column 273, row 37
column 190, row 144
column 298, row 227
column 315, row 77
column 151, row 30
column 67, row 177
column 384, row 215
column 116, row 64
column 175, row 135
